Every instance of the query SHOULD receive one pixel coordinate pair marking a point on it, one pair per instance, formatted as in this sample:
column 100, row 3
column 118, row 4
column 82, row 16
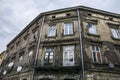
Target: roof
column 62, row 10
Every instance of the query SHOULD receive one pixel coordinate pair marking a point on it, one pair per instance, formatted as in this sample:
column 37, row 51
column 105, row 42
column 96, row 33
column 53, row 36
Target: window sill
column 51, row 36
column 115, row 38
column 46, row 36
column 96, row 35
column 68, row 34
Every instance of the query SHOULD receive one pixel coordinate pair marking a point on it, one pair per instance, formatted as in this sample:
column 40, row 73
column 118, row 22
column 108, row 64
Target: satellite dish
column 19, row 68
column 10, row 64
column 111, row 65
column 30, row 53
column 4, row 73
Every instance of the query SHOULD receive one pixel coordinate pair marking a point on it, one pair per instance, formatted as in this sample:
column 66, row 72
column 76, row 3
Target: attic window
column 68, row 14
column 111, row 19
column 53, row 17
column 89, row 14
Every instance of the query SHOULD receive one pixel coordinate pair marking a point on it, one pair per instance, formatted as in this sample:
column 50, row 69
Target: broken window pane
column 115, row 33
column 52, row 30
column 92, row 28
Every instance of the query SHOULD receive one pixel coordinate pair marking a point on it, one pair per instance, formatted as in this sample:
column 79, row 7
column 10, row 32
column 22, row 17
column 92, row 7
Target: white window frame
column 96, row 52
column 52, row 31
column 115, row 33
column 92, row 29
column 67, row 61
column 68, row 28
column 49, row 53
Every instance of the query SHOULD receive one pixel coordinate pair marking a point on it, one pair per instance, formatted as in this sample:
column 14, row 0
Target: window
column 24, row 42
column 52, row 31
column 118, row 50
column 115, row 33
column 17, row 45
column 48, row 58
column 92, row 28
column 68, row 14
column 96, row 54
column 53, row 17
column 33, row 36
column 68, row 55
column 21, row 57
column 68, row 28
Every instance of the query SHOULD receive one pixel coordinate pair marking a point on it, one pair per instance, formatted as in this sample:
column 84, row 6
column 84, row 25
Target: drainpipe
column 38, row 46
column 81, row 46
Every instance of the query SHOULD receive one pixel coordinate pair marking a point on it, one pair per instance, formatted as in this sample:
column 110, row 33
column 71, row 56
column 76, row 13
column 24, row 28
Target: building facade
column 77, row 43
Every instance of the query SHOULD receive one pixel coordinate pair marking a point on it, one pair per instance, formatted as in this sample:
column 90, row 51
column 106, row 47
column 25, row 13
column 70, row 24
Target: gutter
column 80, row 43
column 38, row 46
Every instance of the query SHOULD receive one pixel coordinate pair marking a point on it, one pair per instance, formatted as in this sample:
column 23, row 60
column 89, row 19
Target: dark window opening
column 68, row 14
column 53, row 17
column 89, row 14
column 111, row 19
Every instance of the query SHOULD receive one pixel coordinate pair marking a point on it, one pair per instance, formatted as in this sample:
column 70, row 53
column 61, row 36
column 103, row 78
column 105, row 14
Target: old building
column 77, row 43
column 2, row 56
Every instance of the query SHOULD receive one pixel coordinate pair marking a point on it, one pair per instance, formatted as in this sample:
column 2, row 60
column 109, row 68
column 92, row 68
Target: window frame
column 52, row 33
column 68, row 50
column 68, row 28
column 49, row 51
column 94, row 29
column 96, row 52
column 116, row 34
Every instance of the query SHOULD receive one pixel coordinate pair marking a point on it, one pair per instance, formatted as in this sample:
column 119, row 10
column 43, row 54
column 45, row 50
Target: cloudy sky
column 16, row 14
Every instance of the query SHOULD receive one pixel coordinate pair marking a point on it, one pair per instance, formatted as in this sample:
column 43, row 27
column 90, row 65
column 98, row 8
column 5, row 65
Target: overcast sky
column 16, row 14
